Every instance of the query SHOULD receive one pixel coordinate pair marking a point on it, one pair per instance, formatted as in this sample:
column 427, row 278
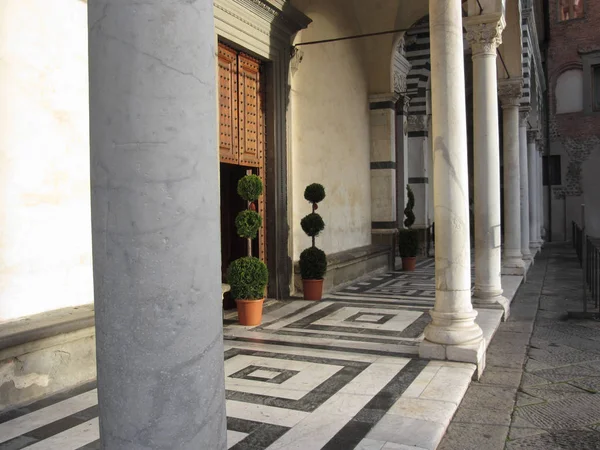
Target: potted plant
column 313, row 261
column 248, row 276
column 408, row 239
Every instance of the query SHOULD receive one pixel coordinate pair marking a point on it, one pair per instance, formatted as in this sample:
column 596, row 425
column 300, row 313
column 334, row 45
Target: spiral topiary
column 408, row 211
column 248, row 223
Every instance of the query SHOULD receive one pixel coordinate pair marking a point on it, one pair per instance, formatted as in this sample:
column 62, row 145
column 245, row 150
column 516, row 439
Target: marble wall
column 45, row 241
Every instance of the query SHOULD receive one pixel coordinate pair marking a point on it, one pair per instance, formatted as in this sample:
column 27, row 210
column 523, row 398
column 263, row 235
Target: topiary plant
column 247, row 224
column 408, row 211
column 408, row 239
column 250, row 188
column 313, row 264
column 248, row 278
column 313, row 261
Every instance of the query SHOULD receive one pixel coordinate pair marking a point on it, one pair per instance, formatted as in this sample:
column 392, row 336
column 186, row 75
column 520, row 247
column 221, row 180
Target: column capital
column 532, row 136
column 484, row 33
column 524, row 116
column 404, row 103
column 401, row 67
column 510, row 91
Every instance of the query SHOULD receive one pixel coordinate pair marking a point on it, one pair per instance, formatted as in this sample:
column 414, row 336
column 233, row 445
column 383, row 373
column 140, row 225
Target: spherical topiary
column 250, row 187
column 312, row 224
column 247, row 223
column 248, row 278
column 313, row 264
column 314, row 193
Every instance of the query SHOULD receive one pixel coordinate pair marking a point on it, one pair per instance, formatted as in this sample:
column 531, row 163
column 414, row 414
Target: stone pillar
column 510, row 97
column 485, row 34
column 524, row 184
column 540, row 183
column 401, row 67
column 532, row 163
column 453, row 333
column 384, row 221
column 418, row 167
column 155, row 224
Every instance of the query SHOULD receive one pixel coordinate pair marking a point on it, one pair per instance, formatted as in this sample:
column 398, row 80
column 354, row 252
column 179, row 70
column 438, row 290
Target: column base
column 473, row 353
column 527, row 256
column 513, row 266
column 455, row 328
column 497, row 300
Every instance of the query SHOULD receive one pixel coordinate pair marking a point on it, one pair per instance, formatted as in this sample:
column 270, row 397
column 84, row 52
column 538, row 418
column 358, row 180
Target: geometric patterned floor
column 342, row 373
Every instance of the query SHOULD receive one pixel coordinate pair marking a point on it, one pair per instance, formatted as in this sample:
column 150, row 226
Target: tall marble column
column 485, row 34
column 402, row 155
column 155, row 224
column 453, row 333
column 540, row 182
column 532, row 163
column 524, row 184
column 510, row 97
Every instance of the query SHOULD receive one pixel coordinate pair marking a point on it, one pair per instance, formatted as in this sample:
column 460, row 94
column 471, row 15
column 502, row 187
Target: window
column 591, row 82
column 569, row 91
column 596, row 87
column 570, row 9
column 551, row 170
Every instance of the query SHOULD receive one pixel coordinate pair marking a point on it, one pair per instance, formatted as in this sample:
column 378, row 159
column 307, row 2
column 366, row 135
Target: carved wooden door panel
column 250, row 112
column 228, row 106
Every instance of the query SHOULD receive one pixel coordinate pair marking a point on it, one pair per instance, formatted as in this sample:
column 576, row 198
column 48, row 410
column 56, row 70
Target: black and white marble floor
column 338, row 374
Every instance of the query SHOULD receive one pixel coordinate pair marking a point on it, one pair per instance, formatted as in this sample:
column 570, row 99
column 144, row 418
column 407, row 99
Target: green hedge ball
column 314, row 193
column 250, row 187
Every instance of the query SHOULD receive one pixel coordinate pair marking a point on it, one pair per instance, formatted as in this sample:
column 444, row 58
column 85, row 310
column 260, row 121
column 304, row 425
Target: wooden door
column 242, row 123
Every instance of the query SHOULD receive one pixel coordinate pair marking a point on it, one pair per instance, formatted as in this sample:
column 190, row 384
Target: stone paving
column 540, row 388
column 339, row 374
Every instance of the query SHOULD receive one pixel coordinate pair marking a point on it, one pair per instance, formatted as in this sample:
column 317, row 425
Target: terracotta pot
column 313, row 289
column 409, row 263
column 250, row 311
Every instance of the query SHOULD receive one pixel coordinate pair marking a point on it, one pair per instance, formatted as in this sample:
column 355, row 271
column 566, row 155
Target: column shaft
column 155, row 224
column 510, row 95
column 453, row 315
column 533, row 191
column 485, row 38
column 524, row 185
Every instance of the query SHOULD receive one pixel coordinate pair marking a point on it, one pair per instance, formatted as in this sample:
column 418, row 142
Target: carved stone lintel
column 510, row 92
column 417, row 122
column 484, row 36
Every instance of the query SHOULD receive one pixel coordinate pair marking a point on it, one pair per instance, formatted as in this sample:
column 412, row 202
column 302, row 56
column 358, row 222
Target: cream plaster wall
column 45, row 238
column 330, row 130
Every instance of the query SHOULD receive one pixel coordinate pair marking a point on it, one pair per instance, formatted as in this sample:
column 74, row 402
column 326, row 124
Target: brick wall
column 574, row 135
